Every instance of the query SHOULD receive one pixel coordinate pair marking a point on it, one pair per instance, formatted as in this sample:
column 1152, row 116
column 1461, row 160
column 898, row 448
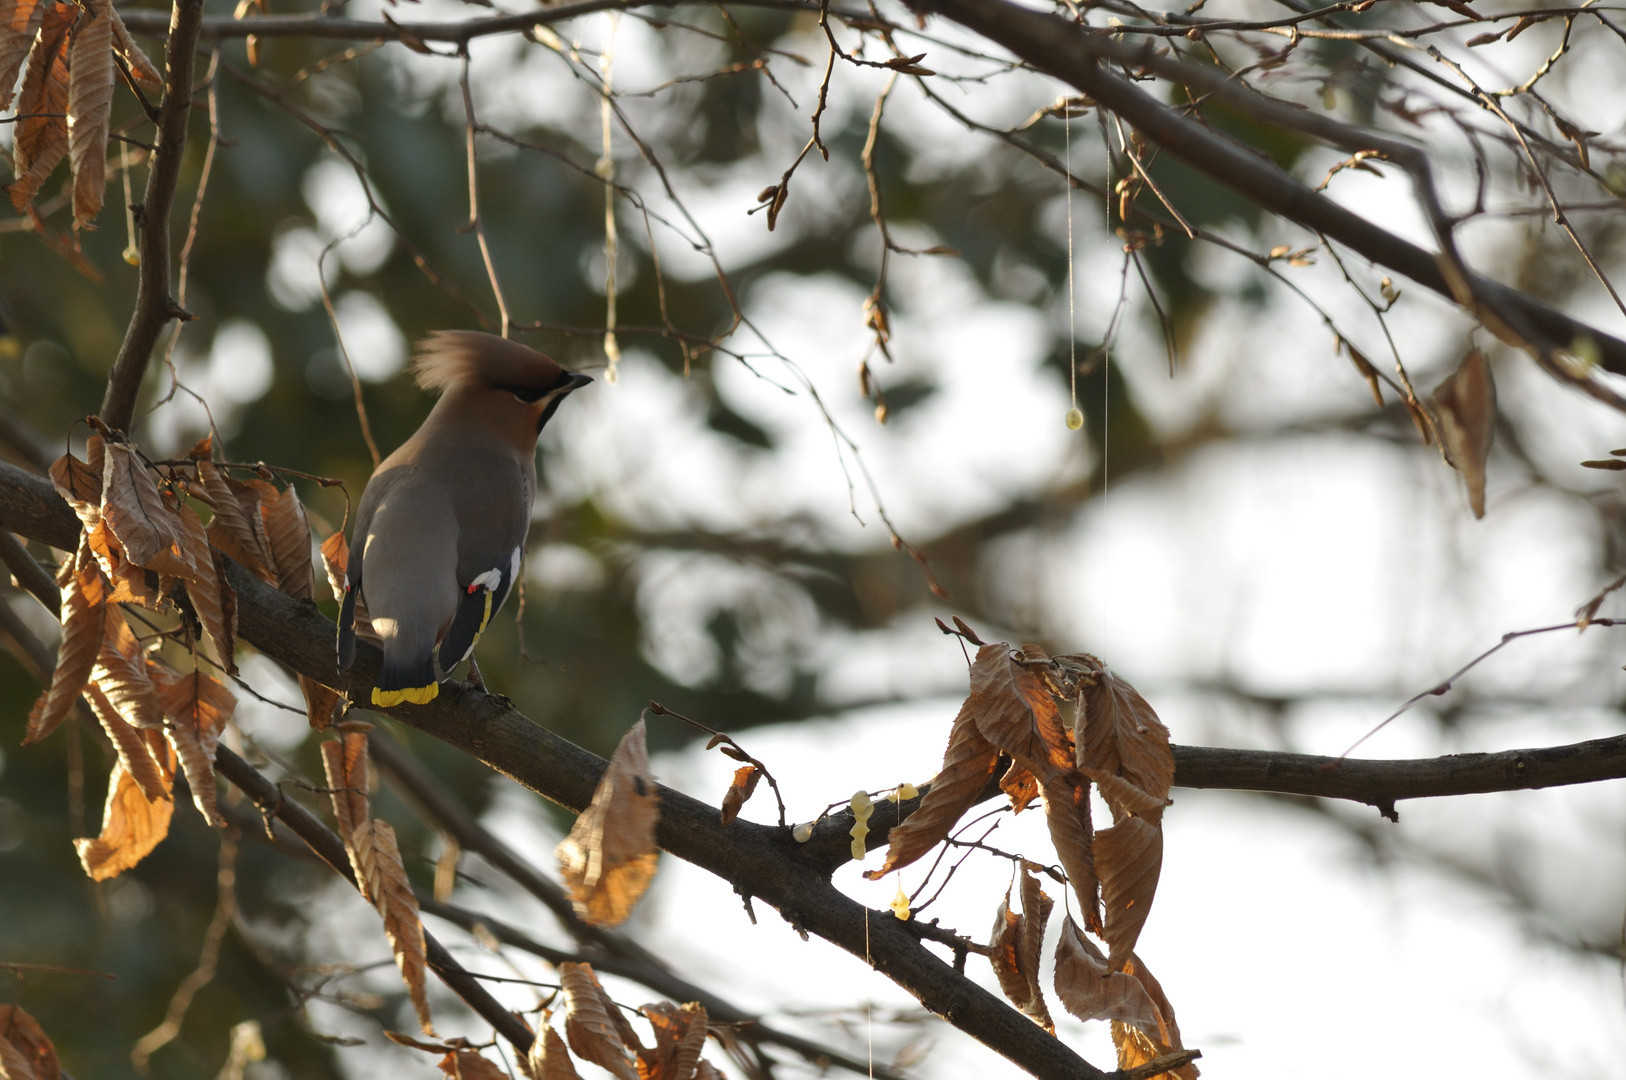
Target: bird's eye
column 526, row 394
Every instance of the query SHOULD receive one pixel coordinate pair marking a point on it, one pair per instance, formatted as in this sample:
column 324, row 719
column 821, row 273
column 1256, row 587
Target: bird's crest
column 450, row 358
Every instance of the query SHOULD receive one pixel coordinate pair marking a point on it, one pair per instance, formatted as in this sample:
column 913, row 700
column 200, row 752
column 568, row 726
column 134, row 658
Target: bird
column 441, row 526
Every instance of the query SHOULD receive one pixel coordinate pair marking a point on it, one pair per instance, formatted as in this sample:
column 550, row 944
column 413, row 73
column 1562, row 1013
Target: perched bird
column 442, row 522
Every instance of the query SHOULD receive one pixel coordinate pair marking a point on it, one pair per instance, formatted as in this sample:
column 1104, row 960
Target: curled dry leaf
column 1007, row 957
column 84, row 624
column 140, row 66
column 335, row 560
column 132, row 825
column 1122, row 736
column 80, row 482
column 1036, row 908
column 289, row 531
column 745, row 783
column 968, row 763
column 1129, row 857
column 198, row 708
column 1019, row 785
column 236, row 528
column 41, row 137
column 608, row 860
column 594, row 1026
column 1124, row 798
column 121, row 674
column 1016, row 712
column 25, row 1049
column 680, row 1035
column 90, row 101
column 19, row 22
column 1168, row 1040
column 346, row 764
column 135, row 752
column 322, row 703
column 548, row 1058
column 468, row 1065
column 213, row 600
column 402, row 924
column 144, row 525
column 1090, row 990
column 1465, row 405
column 1067, row 814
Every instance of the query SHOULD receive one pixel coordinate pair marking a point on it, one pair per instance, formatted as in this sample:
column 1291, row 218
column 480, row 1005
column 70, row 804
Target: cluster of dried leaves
column 597, row 1031
column 25, row 1051
column 72, row 53
column 144, row 544
column 1118, row 747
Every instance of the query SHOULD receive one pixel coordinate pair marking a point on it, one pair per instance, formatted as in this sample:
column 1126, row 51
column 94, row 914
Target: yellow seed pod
column 803, row 832
column 862, row 808
column 1075, row 419
column 900, row 903
column 132, row 256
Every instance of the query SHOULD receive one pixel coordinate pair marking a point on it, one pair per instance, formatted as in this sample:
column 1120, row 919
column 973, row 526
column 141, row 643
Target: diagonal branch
column 1061, row 49
column 154, row 305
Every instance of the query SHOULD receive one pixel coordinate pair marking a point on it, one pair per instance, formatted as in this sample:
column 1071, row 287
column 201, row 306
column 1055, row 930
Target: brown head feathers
column 449, row 359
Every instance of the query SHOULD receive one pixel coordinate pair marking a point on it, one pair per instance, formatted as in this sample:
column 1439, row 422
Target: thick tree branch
column 606, row 950
column 154, row 305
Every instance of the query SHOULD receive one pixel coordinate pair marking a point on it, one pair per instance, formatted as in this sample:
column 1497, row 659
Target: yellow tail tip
column 416, row 695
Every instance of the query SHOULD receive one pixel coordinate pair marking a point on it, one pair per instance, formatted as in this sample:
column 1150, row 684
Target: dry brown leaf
column 1090, row 990
column 41, row 139
column 468, row 1065
column 594, row 1026
column 1016, row 712
column 349, row 778
column 121, row 674
column 80, row 482
column 213, row 600
column 235, row 529
column 199, row 709
column 967, row 764
column 336, row 560
column 1072, row 832
column 25, row 1049
column 143, row 523
column 1129, row 857
column 1036, row 908
column 707, row 1071
column 90, row 102
column 1169, row 1038
column 84, row 623
column 745, row 783
column 133, row 749
column 1006, row 941
column 608, row 860
column 680, row 1035
column 1124, row 798
column 1122, row 736
column 322, row 703
column 1020, row 785
column 402, row 924
column 1465, row 405
column 140, row 66
column 132, row 825
column 548, row 1059
column 19, row 21
column 289, row 531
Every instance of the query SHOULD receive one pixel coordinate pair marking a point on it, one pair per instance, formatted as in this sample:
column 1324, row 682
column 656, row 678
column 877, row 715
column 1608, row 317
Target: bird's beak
column 577, row 382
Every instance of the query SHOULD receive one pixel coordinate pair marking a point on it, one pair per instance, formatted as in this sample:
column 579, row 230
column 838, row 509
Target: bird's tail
column 409, row 678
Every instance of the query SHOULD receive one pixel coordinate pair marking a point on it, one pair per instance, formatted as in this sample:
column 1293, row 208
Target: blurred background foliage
column 598, row 637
